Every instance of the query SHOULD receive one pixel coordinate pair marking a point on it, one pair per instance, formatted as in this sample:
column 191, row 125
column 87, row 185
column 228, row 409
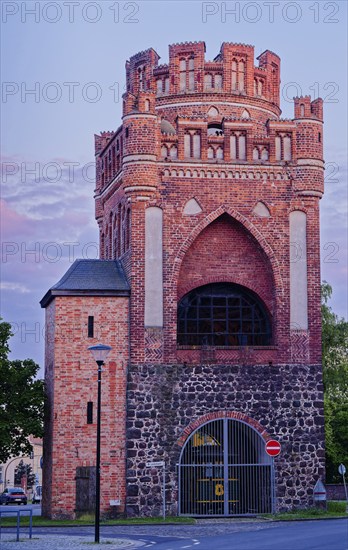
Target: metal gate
column 225, row 471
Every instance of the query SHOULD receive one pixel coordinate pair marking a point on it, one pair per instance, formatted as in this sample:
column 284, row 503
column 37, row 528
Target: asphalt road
column 265, row 535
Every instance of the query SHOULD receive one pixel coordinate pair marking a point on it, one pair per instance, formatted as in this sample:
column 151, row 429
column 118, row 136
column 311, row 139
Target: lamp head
column 100, row 352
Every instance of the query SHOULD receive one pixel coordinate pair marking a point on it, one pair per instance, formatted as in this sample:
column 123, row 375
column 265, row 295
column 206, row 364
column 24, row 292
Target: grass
column 335, row 509
column 88, row 519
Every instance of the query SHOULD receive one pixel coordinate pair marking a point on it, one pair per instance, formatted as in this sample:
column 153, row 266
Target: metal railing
column 18, row 513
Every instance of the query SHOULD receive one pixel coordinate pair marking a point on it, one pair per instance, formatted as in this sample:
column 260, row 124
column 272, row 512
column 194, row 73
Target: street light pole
column 97, row 477
column 99, row 352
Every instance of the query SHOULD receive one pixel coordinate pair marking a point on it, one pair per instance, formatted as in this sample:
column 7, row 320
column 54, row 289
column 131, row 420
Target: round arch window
column 222, row 314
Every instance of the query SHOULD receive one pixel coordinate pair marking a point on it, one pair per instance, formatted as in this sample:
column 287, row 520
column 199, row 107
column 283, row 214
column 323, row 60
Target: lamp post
column 100, row 353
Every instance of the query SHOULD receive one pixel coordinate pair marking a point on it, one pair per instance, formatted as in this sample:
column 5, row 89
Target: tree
column 335, row 376
column 21, row 401
column 24, row 470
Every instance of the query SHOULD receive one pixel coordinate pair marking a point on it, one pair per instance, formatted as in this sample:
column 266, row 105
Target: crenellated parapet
column 225, row 111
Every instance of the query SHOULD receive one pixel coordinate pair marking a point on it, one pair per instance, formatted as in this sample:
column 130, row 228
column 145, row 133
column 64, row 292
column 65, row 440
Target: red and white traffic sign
column 273, row 447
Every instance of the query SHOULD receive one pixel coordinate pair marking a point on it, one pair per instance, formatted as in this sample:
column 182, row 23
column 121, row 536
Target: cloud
column 17, row 287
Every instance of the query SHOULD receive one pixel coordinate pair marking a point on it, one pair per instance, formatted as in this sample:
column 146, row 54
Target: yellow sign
column 219, row 489
column 201, row 439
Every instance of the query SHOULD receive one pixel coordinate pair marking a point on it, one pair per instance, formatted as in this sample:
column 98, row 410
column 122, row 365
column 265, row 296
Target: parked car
column 13, row 495
column 37, row 495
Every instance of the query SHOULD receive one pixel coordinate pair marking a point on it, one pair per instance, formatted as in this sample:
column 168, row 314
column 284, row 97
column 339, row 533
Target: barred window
column 222, row 314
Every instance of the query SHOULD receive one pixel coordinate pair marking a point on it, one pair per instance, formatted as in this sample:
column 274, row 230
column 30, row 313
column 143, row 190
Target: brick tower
column 208, row 291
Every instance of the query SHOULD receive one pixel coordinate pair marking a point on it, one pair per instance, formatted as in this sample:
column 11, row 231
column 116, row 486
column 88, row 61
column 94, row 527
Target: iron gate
column 225, row 471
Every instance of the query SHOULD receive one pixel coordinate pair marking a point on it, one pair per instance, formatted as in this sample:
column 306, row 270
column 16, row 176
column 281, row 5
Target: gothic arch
column 267, row 249
column 221, row 414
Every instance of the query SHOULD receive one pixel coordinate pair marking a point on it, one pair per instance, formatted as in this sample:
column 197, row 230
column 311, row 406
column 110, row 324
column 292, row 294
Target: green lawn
column 89, row 520
column 334, row 509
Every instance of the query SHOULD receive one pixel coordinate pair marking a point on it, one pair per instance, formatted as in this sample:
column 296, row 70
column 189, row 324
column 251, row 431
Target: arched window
column 222, row 314
column 278, row 148
column 147, row 104
column 238, row 146
column 256, row 154
column 234, row 75
column 128, row 228
column 241, row 75
column 192, row 145
column 287, row 148
column 142, row 84
column 218, row 81
column 210, row 152
column 173, row 152
column 119, row 226
column 164, row 151
column 115, row 237
column 259, row 88
column 159, row 86
column 182, row 75
column 264, row 154
column 191, row 68
column 219, row 153
column 166, row 85
column 208, row 81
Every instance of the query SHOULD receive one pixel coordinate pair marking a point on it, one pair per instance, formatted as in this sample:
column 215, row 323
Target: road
column 234, row 535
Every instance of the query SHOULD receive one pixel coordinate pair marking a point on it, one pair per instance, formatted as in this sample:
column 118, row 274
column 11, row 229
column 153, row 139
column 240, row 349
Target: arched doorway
column 225, row 471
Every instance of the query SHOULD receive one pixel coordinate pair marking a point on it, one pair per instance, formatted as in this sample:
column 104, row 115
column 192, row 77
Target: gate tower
column 208, row 291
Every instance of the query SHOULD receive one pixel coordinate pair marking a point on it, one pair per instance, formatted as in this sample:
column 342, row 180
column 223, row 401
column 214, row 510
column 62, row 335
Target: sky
column 63, row 75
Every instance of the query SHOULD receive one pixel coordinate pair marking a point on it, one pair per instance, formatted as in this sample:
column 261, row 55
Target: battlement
column 232, row 72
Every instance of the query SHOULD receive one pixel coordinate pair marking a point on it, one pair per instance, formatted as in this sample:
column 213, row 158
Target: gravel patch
column 59, row 542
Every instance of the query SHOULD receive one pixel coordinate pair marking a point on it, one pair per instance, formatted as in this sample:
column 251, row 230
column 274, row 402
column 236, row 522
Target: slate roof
column 90, row 278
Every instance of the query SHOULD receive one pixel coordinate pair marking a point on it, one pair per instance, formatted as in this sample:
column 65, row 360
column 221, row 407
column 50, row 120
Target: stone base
column 286, row 400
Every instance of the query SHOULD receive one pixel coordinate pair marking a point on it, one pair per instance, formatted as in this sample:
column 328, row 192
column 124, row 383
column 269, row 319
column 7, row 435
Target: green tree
column 24, row 470
column 335, row 375
column 21, row 401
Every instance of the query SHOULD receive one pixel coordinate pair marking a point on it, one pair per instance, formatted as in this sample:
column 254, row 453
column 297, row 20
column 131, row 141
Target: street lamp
column 100, row 353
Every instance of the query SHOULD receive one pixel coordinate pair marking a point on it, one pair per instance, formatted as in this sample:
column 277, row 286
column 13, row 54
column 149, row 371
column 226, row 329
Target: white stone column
column 298, row 271
column 153, row 267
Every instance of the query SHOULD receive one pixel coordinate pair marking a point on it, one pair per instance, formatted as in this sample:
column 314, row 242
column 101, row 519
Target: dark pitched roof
column 90, row 278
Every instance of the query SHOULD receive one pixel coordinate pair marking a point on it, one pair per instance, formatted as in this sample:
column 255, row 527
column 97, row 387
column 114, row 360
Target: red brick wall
column 72, row 382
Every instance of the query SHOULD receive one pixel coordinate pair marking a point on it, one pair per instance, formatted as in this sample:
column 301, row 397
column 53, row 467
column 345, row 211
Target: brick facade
column 207, row 134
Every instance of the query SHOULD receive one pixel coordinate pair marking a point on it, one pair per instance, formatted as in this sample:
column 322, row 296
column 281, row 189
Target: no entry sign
column 273, row 447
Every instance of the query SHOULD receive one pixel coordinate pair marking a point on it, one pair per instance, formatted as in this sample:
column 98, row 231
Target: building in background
column 7, row 470
column 208, row 291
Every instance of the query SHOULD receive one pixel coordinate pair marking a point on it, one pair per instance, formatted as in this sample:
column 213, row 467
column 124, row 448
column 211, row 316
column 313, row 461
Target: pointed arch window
column 238, row 75
column 241, row 75
column 222, row 314
column 192, row 144
column 234, row 75
column 182, row 66
column 283, row 147
column 191, row 75
column 238, row 146
column 208, row 81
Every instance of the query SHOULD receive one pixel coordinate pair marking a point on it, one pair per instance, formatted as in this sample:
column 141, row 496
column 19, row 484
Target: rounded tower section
column 309, row 146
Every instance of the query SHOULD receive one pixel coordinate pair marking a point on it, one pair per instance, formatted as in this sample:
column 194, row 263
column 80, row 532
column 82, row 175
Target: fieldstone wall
column 163, row 399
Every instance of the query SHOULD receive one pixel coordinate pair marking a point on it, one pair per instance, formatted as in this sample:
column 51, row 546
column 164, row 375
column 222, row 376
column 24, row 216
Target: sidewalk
column 63, row 542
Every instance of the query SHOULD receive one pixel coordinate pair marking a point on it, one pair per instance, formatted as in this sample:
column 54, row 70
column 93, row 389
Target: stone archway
column 224, row 469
